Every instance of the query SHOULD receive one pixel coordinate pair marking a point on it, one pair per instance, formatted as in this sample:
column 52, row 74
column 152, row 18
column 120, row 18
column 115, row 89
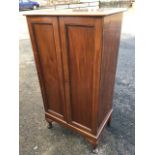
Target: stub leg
column 49, row 121
column 94, row 144
column 95, row 149
column 49, row 126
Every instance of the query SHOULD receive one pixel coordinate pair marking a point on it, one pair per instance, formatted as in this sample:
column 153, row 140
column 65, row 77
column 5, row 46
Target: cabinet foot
column 49, row 121
column 50, row 126
column 95, row 150
column 94, row 144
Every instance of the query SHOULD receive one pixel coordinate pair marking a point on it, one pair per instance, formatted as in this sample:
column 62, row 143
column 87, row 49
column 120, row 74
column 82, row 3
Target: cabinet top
column 76, row 12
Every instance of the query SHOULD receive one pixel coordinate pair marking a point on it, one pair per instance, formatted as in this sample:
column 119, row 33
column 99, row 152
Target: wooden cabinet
column 76, row 58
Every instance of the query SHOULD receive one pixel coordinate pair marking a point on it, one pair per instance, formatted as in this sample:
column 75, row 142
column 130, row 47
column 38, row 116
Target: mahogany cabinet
column 76, row 57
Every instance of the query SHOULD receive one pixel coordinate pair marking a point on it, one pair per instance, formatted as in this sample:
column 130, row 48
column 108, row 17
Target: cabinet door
column 81, row 39
column 45, row 40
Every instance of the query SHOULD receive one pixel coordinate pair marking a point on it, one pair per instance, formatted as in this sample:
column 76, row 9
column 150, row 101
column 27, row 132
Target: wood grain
column 45, row 41
column 80, row 63
column 81, row 44
column 76, row 60
column 111, row 37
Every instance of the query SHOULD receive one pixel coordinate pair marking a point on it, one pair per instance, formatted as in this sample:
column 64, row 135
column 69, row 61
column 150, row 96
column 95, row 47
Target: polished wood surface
column 76, row 59
column 81, row 44
column 45, row 40
column 111, row 37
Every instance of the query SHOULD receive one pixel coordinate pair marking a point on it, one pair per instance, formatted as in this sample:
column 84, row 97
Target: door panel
column 81, row 49
column 80, row 63
column 48, row 61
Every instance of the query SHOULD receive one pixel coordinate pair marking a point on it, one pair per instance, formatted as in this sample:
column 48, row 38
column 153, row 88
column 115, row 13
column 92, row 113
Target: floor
column 119, row 139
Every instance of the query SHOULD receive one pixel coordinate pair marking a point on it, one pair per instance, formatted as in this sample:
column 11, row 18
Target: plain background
column 145, row 78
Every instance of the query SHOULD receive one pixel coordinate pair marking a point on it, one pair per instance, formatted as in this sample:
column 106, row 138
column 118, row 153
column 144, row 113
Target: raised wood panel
column 80, row 62
column 48, row 59
column 81, row 43
column 111, row 38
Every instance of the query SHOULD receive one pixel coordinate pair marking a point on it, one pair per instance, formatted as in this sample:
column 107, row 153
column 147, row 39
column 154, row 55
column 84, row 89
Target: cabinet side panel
column 111, row 39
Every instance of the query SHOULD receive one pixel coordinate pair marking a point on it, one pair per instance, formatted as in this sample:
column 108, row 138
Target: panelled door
column 81, row 49
column 46, row 46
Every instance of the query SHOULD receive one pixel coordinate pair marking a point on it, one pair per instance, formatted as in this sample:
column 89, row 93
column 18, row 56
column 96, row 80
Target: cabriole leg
column 95, row 149
column 49, row 126
column 94, row 144
column 49, row 121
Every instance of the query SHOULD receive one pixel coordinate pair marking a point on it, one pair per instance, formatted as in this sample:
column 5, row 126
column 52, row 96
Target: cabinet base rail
column 91, row 138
